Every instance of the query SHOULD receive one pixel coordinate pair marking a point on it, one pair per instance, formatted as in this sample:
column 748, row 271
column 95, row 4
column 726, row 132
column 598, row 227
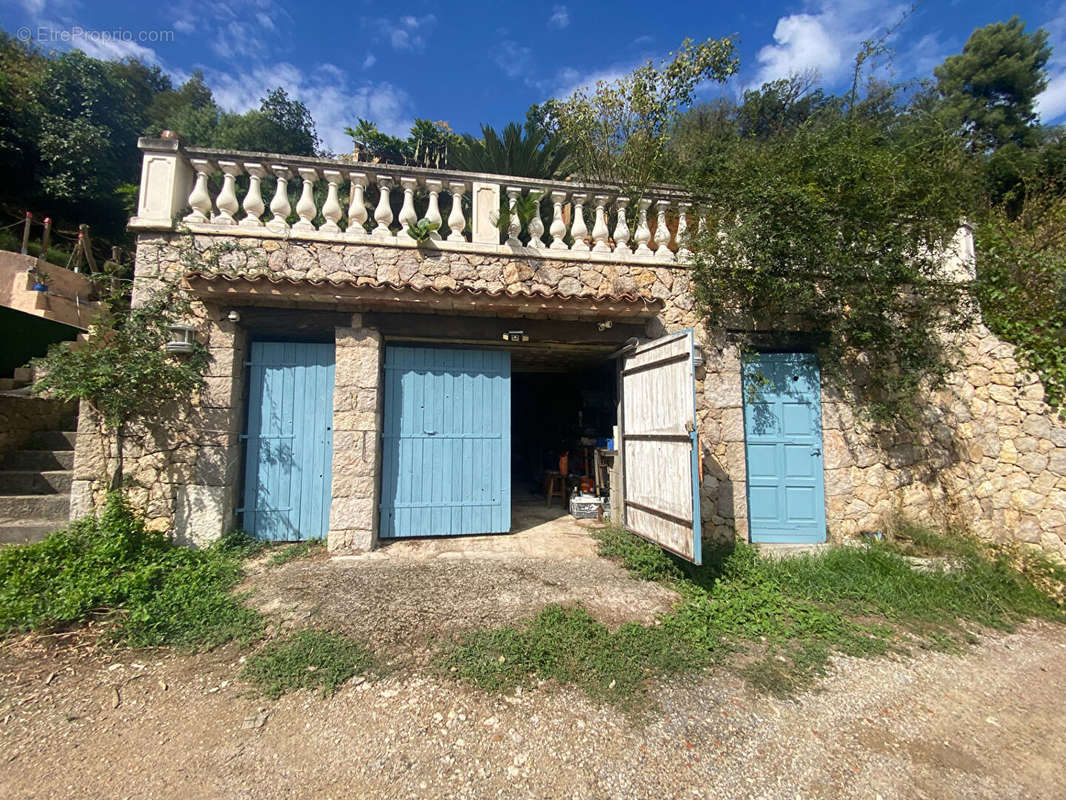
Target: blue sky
column 474, row 62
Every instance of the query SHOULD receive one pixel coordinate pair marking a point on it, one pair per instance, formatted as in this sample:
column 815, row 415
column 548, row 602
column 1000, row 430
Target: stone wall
column 991, row 455
column 23, row 415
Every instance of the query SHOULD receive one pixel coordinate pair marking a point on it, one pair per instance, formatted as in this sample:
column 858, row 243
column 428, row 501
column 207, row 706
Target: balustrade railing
column 217, row 191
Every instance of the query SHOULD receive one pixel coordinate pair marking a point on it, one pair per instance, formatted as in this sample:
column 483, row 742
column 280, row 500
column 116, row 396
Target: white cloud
column 333, row 103
column 369, row 61
column 109, row 49
column 825, row 40
column 514, row 59
column 1051, row 103
column 408, row 33
column 569, row 80
column 560, row 17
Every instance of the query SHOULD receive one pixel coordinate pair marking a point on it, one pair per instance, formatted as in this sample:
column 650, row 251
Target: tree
column 432, row 144
column 123, row 370
column 989, row 90
column 190, row 111
column 88, row 125
column 373, row 145
column 619, row 130
column 281, row 125
column 839, row 227
column 523, row 151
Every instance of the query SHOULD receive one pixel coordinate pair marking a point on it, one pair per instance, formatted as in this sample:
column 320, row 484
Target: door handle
column 816, row 452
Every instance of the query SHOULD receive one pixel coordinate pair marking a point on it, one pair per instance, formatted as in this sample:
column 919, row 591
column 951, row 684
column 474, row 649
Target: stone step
column 42, row 507
column 28, row 481
column 25, row 531
column 51, row 440
column 44, row 460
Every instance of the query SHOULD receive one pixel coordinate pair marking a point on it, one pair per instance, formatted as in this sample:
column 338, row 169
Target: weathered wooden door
column 446, row 458
column 660, row 444
column 783, row 443
column 289, row 454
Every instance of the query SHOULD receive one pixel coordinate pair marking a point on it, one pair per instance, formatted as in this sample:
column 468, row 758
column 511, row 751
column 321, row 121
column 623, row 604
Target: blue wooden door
column 289, row 454
column 446, row 457
column 783, row 435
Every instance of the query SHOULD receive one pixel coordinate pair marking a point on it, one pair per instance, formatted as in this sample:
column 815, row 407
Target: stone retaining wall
column 23, row 415
column 991, row 456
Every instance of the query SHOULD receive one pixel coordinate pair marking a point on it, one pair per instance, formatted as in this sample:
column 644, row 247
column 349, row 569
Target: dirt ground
column 81, row 721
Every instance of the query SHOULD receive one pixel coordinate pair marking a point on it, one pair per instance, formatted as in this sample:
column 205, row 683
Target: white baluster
column 578, row 229
column 684, row 239
column 456, row 220
column 199, row 199
column 226, row 202
column 279, row 205
column 643, row 234
column 357, row 215
column 433, row 209
column 305, row 206
column 253, row 201
column 599, row 227
column 621, row 229
column 331, row 209
column 558, row 227
column 514, row 224
column 536, row 224
column 407, row 210
column 662, row 232
column 383, row 212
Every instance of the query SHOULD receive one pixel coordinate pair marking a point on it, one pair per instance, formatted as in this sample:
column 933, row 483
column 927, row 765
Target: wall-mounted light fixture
column 605, row 325
column 182, row 338
column 697, row 355
column 234, row 315
column 516, row 336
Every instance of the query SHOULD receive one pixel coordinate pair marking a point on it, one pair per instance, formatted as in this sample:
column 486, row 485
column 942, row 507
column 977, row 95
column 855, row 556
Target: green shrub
column 154, row 592
column 307, row 659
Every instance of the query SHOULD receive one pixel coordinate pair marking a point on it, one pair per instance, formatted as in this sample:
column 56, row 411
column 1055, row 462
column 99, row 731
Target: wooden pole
column 87, row 246
column 46, row 238
column 26, row 233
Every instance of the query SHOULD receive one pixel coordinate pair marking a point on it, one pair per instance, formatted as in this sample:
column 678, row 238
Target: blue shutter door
column 446, row 456
column 783, row 441
column 289, row 454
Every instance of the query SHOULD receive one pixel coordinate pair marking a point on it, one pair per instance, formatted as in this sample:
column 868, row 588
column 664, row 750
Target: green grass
column 567, row 645
column 777, row 622
column 150, row 591
column 287, row 553
column 307, row 659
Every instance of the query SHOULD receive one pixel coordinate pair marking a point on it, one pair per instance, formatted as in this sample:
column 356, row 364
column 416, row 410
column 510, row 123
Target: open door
column 660, row 446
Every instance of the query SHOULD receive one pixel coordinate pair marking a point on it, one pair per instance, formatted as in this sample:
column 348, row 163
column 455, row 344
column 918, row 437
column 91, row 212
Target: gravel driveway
column 988, row 724
column 80, row 721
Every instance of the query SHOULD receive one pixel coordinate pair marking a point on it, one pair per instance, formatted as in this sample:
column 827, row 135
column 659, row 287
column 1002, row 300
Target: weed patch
column 151, row 590
column 307, row 659
column 567, row 645
column 780, row 620
column 288, row 553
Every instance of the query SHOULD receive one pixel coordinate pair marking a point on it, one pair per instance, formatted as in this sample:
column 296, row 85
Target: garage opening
column 564, row 409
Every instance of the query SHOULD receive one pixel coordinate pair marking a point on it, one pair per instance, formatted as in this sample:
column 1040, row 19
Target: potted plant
column 39, row 277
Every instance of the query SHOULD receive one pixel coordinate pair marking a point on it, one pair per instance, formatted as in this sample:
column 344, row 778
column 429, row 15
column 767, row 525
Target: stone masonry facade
column 992, row 455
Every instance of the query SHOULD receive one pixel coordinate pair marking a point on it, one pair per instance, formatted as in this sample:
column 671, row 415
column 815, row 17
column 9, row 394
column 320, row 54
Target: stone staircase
column 35, row 486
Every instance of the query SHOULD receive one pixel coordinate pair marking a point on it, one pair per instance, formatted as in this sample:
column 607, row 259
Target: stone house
column 364, row 385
